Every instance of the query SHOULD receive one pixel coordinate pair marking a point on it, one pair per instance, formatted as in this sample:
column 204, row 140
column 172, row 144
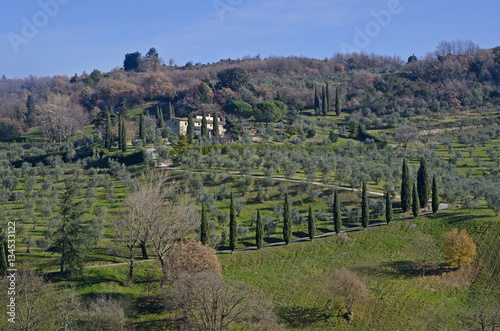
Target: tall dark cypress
column 324, row 109
column 337, row 216
column 233, row 226
column 365, row 209
column 171, row 110
column 120, row 132
column 435, row 195
column 109, row 133
column 388, row 207
column 190, row 129
column 216, row 132
column 142, row 129
column 327, row 97
column 287, row 221
column 124, row 137
column 423, row 183
column 3, row 255
column 158, row 115
column 415, row 206
column 338, row 102
column 316, row 101
column 204, row 125
column 204, row 229
column 32, row 114
column 311, row 224
column 259, row 231
column 405, row 187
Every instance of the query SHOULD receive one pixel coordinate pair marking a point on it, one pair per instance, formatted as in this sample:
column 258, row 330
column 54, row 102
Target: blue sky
column 50, row 37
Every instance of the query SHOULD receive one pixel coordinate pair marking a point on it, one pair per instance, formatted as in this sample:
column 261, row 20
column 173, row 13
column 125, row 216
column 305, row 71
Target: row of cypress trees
column 324, row 107
column 414, row 196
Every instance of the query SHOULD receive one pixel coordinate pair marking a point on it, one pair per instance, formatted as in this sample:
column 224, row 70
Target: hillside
column 102, row 191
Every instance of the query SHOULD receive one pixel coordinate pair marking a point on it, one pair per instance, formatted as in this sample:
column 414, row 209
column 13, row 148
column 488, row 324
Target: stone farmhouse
column 179, row 125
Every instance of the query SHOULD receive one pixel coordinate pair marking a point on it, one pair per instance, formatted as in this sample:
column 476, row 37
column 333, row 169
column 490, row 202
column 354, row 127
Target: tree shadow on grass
column 300, row 317
column 408, row 269
column 300, row 234
column 272, row 240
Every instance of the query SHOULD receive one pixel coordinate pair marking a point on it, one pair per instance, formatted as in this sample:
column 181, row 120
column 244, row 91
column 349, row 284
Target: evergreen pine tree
column 204, row 229
column 287, row 221
column 233, row 225
column 3, row 255
column 216, row 132
column 109, row 134
column 31, row 115
column 423, row 183
column 259, row 231
column 405, row 187
column 311, row 224
column 142, row 129
column 190, row 129
column 324, row 106
column 365, row 209
column 388, row 207
column 415, row 206
column 435, row 195
column 73, row 237
column 338, row 102
column 204, row 125
column 124, row 137
column 316, row 101
column 337, row 216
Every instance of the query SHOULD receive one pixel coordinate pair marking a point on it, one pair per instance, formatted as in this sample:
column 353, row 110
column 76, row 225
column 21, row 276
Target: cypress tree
column 325, row 103
column 31, row 115
column 171, row 110
column 204, row 125
column 259, row 231
column 216, row 132
column 423, row 183
column 120, row 132
column 311, row 224
column 3, row 255
column 287, row 221
column 435, row 195
column 190, row 129
column 405, row 187
column 316, row 101
column 109, row 133
column 415, row 206
column 142, row 129
column 124, row 137
column 365, row 209
column 388, row 207
column 204, row 229
column 327, row 97
column 338, row 102
column 337, row 216
column 233, row 226
column 158, row 115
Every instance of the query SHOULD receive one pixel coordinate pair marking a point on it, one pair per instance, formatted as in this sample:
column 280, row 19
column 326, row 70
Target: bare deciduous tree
column 210, row 303
column 405, row 134
column 484, row 314
column 350, row 288
column 165, row 222
column 35, row 300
